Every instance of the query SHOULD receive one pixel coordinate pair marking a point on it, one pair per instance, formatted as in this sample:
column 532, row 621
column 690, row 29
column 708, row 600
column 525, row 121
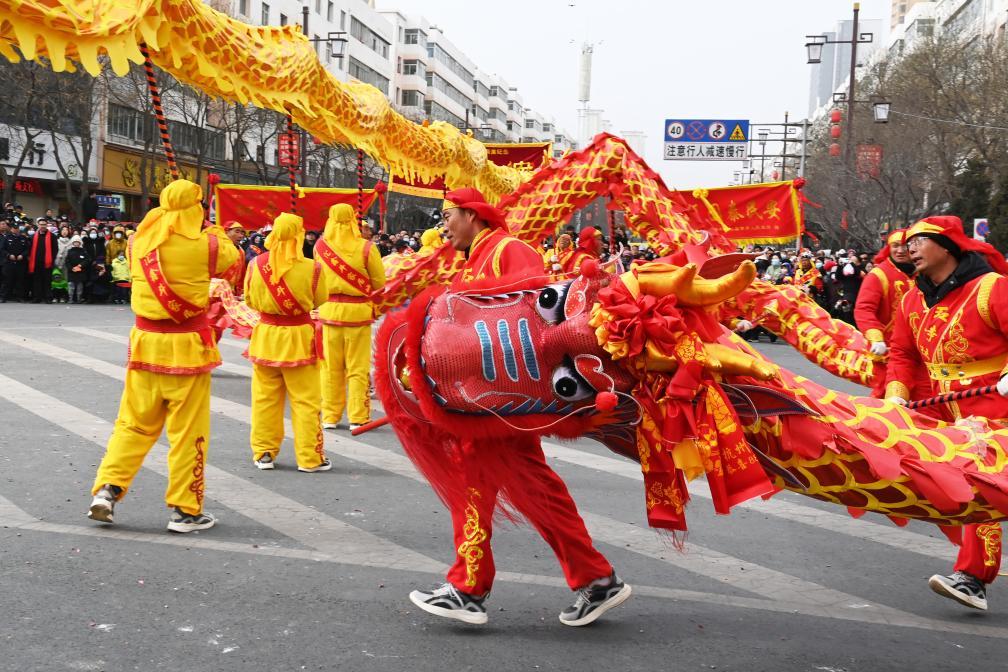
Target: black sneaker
column 325, row 466
column 961, row 587
column 449, row 602
column 181, row 521
column 265, row 462
column 104, row 503
column 595, row 599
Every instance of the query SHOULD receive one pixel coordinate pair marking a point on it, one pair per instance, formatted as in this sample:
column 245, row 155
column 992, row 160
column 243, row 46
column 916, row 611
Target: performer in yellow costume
column 171, row 353
column 352, row 268
column 284, row 287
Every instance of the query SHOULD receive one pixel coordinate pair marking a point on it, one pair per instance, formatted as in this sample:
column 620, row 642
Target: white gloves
column 743, row 325
column 879, row 348
column 899, row 401
column 557, row 267
column 1002, row 386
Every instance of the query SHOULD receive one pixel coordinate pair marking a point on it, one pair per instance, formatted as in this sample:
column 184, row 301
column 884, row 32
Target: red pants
column 980, row 553
column 553, row 514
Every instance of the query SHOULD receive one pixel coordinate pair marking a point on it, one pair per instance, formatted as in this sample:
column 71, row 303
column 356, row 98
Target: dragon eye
column 551, row 302
column 569, row 385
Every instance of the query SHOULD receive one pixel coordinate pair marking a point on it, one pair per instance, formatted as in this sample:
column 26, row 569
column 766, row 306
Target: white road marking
column 244, row 371
column 816, row 600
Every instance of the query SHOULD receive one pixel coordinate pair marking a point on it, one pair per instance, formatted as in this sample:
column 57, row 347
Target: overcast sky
column 654, row 60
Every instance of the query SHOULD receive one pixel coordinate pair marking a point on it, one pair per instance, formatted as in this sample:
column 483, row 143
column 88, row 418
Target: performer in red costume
column 878, row 300
column 589, row 247
column 519, row 472
column 954, row 326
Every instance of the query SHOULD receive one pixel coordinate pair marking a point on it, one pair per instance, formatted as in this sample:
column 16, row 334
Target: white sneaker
column 265, row 462
column 354, row 426
column 325, row 466
column 183, row 522
column 330, row 425
column 104, row 503
column 449, row 602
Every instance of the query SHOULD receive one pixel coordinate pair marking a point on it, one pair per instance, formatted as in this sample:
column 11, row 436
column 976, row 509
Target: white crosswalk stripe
column 806, row 597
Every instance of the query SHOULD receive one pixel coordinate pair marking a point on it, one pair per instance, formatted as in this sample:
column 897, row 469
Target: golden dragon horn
column 691, row 290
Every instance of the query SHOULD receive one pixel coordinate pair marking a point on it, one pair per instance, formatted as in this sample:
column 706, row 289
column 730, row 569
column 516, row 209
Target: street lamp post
column 762, row 134
column 815, row 47
column 333, row 37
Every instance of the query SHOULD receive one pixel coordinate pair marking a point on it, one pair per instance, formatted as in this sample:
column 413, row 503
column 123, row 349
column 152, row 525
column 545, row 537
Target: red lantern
column 834, row 116
column 834, row 132
column 834, row 149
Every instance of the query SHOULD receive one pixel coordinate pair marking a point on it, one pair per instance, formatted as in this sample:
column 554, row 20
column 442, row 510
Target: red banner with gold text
column 255, row 206
column 752, row 213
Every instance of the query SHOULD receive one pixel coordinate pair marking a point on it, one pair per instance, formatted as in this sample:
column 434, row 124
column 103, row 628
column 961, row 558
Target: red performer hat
column 469, row 198
column 947, row 231
column 587, row 235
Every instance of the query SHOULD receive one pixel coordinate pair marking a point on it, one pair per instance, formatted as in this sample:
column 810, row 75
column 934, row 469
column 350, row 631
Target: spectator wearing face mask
column 94, row 244
column 117, row 243
column 77, row 264
column 776, row 271
column 120, row 279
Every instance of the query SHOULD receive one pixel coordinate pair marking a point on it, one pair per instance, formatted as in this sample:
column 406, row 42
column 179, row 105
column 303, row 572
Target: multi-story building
column 900, row 9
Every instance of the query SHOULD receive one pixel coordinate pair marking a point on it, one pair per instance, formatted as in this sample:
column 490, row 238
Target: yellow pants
column 346, row 373
column 150, row 402
column 300, row 384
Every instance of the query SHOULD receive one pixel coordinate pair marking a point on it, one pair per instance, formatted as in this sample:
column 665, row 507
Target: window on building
column 453, row 65
column 368, row 37
column 4, row 149
column 318, row 7
column 329, row 11
column 363, row 73
column 264, row 17
column 414, row 67
column 547, row 128
column 243, row 7
column 530, row 123
column 342, row 20
column 283, row 19
column 411, row 98
column 415, row 36
column 558, row 138
column 495, row 92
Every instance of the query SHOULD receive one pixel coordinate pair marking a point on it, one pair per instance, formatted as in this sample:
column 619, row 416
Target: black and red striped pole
column 159, row 114
column 291, row 173
column 953, row 396
column 360, row 186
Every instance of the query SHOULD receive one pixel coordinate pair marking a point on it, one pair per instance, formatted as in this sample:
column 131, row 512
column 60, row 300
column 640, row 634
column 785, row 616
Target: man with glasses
column 953, row 325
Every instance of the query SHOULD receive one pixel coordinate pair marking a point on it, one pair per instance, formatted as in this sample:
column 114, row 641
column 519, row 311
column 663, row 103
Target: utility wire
column 949, row 121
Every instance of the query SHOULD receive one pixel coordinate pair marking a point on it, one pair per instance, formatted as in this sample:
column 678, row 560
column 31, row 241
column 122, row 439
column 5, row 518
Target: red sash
column 279, row 290
column 358, row 280
column 177, row 308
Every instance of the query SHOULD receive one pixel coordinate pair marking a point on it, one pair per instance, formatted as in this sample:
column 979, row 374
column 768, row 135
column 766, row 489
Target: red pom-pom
column 605, row 401
column 799, row 183
column 381, row 187
column 590, row 268
column 213, row 178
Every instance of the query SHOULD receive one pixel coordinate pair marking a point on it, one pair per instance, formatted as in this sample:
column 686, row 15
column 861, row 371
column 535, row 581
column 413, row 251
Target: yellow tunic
column 341, row 313
column 287, row 346
column 185, row 263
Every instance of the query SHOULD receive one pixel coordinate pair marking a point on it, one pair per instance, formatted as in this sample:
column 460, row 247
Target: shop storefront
column 124, row 173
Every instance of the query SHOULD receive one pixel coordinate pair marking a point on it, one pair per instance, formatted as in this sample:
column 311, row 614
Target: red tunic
column 496, row 254
column 572, row 264
column 959, row 343
column 878, row 299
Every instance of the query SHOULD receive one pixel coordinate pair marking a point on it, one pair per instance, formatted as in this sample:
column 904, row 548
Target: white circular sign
column 675, row 130
column 717, row 131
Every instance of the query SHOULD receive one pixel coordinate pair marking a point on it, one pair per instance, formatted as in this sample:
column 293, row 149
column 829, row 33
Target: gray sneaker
column 183, row 522
column 962, row 587
column 104, row 503
column 449, row 602
column 595, row 599
column 265, row 462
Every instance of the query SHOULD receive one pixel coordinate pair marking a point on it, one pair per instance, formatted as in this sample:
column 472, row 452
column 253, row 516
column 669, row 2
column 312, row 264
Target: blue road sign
column 706, row 130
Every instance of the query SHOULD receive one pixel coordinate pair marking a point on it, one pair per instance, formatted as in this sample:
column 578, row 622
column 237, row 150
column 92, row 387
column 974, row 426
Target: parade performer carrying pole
column 954, row 326
column 171, row 353
column 879, row 299
column 515, row 470
column 284, row 287
column 352, row 269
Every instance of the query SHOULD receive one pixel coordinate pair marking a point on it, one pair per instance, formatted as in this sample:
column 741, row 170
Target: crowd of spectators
column 51, row 259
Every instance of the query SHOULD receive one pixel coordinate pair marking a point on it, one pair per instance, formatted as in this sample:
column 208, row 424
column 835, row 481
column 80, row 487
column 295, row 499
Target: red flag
column 255, row 206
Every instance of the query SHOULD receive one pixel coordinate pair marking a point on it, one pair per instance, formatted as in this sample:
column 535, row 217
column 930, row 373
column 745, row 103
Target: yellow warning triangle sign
column 737, row 135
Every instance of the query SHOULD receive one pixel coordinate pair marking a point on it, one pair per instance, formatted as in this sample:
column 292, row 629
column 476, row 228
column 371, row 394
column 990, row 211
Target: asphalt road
column 312, row 571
